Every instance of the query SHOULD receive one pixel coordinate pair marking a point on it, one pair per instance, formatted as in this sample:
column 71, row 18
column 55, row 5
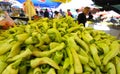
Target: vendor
column 82, row 16
column 5, row 20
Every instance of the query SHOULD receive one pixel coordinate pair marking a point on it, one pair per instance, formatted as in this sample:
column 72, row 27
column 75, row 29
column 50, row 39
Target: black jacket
column 82, row 18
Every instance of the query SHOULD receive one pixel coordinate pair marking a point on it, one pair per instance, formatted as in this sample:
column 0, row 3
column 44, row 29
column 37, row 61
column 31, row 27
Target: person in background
column 99, row 18
column 46, row 13
column 41, row 13
column 69, row 13
column 62, row 12
column 51, row 13
column 76, row 14
column 5, row 20
column 57, row 15
column 82, row 16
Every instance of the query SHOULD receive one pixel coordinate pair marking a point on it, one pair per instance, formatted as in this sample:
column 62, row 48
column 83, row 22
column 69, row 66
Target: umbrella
column 62, row 1
column 43, row 3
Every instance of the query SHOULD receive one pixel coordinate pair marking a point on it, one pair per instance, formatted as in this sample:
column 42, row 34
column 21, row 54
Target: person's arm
column 90, row 16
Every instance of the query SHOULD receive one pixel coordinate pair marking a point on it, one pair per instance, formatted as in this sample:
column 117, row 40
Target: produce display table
column 110, row 29
column 115, row 30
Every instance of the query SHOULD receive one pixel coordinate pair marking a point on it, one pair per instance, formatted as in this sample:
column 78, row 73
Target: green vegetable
column 29, row 40
column 37, row 70
column 71, row 71
column 77, row 63
column 53, row 45
column 44, row 68
column 47, row 53
column 15, row 49
column 46, row 38
column 82, row 43
column 44, row 60
column 91, row 62
column 110, row 67
column 30, row 71
column 83, row 59
column 94, row 53
column 66, row 63
column 117, row 64
column 41, row 42
column 23, row 69
column 87, row 68
column 61, row 70
column 118, row 68
column 87, row 73
column 87, row 37
column 72, row 43
column 104, row 47
column 4, row 57
column 51, row 71
column 54, row 34
column 3, row 65
column 12, row 68
column 22, row 37
column 5, row 46
column 73, row 29
column 83, row 53
column 114, row 50
column 70, row 56
column 58, row 57
column 24, row 54
column 97, row 71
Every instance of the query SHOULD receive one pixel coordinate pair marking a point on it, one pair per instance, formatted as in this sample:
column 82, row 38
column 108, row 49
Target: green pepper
column 58, row 57
column 12, row 68
column 44, row 60
column 51, row 71
column 3, row 65
column 94, row 53
column 114, row 50
column 37, row 70
column 77, row 63
column 49, row 52
column 110, row 67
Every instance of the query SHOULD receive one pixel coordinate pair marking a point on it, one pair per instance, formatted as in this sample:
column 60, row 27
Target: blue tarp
column 47, row 3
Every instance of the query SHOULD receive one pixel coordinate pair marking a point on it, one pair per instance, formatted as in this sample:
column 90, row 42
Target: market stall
column 59, row 46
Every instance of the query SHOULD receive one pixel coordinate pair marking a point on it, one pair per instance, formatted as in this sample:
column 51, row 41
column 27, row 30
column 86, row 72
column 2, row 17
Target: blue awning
column 47, row 3
column 5, row 3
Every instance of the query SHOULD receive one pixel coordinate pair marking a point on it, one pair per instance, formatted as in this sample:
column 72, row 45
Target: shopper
column 82, row 16
column 69, row 13
column 57, row 15
column 46, row 13
column 62, row 12
column 41, row 13
column 76, row 14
